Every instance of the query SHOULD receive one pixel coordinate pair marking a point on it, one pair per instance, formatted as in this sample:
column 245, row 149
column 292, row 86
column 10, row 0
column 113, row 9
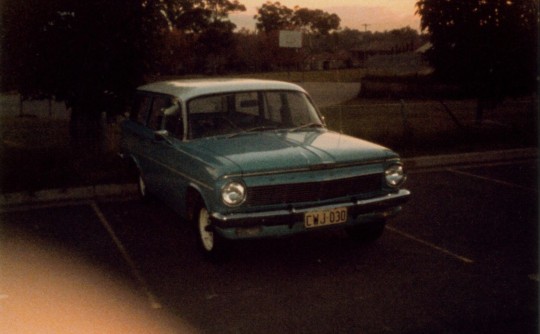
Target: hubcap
column 207, row 237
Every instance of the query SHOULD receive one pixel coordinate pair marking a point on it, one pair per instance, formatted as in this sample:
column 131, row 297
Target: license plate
column 325, row 217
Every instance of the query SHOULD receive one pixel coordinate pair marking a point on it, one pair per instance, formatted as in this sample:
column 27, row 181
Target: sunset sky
column 381, row 15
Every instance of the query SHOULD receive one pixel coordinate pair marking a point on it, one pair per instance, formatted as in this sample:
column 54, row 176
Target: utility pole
column 365, row 51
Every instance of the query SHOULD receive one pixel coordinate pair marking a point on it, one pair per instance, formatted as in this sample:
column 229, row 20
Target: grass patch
column 427, row 128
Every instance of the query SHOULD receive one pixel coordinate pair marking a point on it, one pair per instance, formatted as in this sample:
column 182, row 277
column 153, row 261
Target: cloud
column 378, row 18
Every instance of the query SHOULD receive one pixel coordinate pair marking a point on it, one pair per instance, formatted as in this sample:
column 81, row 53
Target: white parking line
column 505, row 183
column 430, row 245
column 135, row 272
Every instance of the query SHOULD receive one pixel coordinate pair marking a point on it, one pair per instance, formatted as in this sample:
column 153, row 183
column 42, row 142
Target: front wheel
column 212, row 245
column 368, row 232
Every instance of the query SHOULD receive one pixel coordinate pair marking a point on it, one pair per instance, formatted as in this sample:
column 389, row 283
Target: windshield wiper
column 308, row 125
column 255, row 129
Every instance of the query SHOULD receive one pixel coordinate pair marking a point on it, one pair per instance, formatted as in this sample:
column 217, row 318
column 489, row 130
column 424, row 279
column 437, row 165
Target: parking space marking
column 505, row 183
column 430, row 245
column 133, row 267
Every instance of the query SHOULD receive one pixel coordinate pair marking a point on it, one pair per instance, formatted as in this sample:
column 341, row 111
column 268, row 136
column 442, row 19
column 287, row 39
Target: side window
column 172, row 121
column 141, row 108
column 159, row 105
column 207, row 104
column 166, row 115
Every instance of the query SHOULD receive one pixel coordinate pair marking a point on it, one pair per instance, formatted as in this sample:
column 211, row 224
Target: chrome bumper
column 293, row 215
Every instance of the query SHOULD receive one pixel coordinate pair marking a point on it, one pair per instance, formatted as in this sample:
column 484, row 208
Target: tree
column 275, row 16
column 215, row 45
column 487, row 46
column 315, row 21
column 92, row 54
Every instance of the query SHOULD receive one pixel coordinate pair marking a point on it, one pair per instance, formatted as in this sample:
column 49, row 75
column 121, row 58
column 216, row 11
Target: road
column 461, row 258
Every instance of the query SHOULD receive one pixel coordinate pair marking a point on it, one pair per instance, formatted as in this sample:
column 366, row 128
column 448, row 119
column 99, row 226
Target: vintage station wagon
column 253, row 158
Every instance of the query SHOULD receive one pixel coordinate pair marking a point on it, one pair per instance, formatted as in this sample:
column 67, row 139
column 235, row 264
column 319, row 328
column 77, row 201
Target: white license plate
column 325, row 217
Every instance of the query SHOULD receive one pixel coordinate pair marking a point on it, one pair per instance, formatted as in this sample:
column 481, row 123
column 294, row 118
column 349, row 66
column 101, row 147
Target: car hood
column 275, row 151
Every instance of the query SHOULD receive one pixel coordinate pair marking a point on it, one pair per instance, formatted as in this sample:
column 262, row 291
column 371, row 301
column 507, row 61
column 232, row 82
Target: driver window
column 172, row 121
column 165, row 115
column 159, row 105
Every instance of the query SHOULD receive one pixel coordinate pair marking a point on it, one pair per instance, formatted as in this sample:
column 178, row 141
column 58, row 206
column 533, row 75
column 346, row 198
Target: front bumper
column 291, row 221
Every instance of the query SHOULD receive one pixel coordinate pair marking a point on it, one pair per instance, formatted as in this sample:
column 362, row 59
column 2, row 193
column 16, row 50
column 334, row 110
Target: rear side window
column 141, row 108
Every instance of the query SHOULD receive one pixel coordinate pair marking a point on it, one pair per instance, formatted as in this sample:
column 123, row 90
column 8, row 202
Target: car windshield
column 245, row 112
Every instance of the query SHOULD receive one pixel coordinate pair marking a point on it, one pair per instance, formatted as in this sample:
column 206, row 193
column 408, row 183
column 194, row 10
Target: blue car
column 242, row 158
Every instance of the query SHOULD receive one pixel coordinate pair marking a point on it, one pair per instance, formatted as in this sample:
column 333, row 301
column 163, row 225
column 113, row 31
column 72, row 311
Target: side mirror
column 161, row 135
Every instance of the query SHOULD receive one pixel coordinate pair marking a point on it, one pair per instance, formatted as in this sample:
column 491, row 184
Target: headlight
column 394, row 175
column 233, row 193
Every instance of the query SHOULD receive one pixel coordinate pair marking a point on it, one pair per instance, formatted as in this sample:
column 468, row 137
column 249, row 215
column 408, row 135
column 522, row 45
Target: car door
column 136, row 134
column 166, row 124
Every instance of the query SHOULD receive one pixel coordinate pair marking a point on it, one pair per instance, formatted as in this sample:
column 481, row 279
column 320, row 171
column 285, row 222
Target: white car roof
column 186, row 89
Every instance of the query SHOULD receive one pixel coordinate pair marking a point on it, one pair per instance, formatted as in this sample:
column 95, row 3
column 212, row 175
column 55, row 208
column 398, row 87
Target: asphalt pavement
column 460, row 258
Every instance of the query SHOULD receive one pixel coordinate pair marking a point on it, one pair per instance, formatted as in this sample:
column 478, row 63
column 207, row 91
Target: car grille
column 314, row 191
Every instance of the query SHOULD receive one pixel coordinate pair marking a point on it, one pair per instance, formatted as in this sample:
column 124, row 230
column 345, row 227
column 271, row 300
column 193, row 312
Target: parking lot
column 461, row 258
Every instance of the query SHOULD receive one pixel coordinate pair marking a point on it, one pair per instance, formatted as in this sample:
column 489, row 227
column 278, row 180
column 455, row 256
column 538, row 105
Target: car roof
column 186, row 89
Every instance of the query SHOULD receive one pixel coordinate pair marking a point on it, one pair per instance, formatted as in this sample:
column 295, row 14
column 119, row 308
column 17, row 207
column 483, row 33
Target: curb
column 126, row 190
column 448, row 160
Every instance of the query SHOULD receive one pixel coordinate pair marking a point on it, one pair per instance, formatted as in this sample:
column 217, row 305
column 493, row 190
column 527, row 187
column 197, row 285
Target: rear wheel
column 141, row 186
column 211, row 244
column 368, row 232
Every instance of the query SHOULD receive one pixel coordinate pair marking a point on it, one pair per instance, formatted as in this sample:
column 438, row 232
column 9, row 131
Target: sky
column 378, row 15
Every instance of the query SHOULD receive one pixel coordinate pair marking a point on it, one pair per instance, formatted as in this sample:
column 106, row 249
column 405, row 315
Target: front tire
column 210, row 243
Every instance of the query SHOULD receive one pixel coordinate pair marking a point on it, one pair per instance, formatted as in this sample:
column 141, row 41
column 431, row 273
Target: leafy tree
column 215, row 45
column 272, row 17
column 488, row 46
column 315, row 21
column 92, row 54
column 275, row 16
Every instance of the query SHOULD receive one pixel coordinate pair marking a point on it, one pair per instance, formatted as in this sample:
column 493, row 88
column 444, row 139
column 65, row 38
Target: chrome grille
column 314, row 191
